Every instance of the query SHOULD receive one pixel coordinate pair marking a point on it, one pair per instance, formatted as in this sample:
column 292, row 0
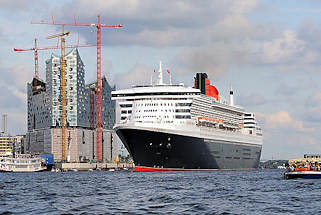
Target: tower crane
column 98, row 26
column 35, row 49
column 63, row 89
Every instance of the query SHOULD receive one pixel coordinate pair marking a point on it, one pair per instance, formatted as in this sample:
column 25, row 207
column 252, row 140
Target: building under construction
column 45, row 113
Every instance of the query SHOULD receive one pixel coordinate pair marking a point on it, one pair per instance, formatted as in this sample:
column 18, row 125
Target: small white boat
column 21, row 163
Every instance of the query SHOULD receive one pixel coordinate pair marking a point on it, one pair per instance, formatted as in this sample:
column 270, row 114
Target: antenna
column 4, row 123
column 160, row 74
column 231, row 96
column 170, row 76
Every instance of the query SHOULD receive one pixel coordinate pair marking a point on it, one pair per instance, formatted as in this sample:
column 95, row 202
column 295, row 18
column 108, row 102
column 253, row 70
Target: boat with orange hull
column 308, row 167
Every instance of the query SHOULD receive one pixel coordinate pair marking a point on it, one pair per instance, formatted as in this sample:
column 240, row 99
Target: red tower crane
column 36, row 49
column 98, row 25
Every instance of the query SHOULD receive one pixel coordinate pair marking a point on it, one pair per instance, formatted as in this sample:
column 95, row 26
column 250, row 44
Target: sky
column 268, row 50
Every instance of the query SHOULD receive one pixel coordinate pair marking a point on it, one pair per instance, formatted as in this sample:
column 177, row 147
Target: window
column 182, row 117
column 182, row 110
column 183, row 104
column 127, row 105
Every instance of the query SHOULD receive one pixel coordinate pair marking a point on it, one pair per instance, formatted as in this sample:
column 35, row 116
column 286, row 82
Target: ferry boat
column 21, row 163
column 308, row 167
column 174, row 127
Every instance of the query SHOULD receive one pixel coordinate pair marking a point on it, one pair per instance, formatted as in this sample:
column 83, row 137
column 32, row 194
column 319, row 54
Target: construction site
column 67, row 117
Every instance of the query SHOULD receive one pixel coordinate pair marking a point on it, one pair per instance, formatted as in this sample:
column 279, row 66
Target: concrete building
column 108, row 113
column 45, row 113
column 10, row 145
column 6, row 146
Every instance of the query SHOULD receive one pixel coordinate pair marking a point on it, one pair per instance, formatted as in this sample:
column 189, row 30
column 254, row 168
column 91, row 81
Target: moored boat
column 21, row 163
column 306, row 168
column 170, row 127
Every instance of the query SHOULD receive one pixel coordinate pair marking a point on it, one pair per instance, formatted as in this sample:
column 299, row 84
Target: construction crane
column 63, row 89
column 36, row 49
column 98, row 25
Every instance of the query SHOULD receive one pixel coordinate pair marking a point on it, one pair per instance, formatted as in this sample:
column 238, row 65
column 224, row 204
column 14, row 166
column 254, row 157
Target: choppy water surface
column 101, row 192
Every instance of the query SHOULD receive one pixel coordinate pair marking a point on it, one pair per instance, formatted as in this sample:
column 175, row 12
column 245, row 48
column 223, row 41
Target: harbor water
column 103, row 192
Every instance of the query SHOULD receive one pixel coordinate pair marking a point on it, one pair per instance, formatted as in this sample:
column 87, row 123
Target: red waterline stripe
column 149, row 169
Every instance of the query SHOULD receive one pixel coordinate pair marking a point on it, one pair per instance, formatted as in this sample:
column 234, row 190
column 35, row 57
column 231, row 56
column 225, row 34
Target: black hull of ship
column 172, row 151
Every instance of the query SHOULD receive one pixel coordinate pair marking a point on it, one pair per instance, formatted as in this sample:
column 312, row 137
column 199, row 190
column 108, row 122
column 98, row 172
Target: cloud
column 170, row 23
column 139, row 75
column 19, row 76
column 310, row 31
column 282, row 49
column 16, row 5
column 282, row 120
column 294, row 50
column 286, row 90
column 199, row 60
column 252, row 100
column 25, row 7
column 312, row 110
column 286, row 137
column 13, row 86
column 10, row 99
column 214, row 34
column 290, row 145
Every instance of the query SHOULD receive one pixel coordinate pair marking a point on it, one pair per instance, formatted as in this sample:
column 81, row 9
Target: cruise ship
column 174, row 127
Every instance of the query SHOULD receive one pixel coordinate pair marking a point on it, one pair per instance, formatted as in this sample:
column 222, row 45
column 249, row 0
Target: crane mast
column 63, row 91
column 36, row 60
column 98, row 95
column 63, row 101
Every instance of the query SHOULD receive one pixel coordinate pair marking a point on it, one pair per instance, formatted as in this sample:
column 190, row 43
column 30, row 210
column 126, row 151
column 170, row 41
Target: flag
column 168, row 71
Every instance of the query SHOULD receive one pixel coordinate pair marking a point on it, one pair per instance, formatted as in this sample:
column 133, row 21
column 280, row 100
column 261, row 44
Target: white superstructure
column 21, row 164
